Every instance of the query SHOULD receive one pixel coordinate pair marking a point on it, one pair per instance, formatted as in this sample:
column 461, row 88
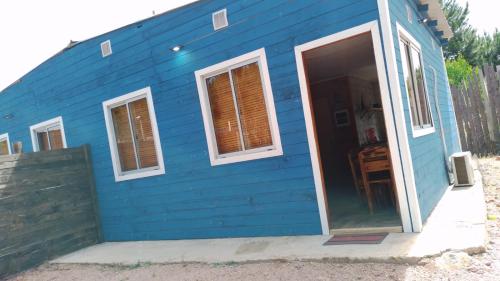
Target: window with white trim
column 414, row 78
column 238, row 109
column 4, row 144
column 48, row 135
column 133, row 136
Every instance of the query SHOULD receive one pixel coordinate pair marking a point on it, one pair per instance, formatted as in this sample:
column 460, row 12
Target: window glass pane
column 123, row 137
column 143, row 131
column 43, row 141
column 419, row 79
column 407, row 72
column 225, row 122
column 55, row 139
column 4, row 147
column 252, row 106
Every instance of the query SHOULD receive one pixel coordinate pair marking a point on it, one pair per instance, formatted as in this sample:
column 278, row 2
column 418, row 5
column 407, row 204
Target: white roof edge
column 435, row 12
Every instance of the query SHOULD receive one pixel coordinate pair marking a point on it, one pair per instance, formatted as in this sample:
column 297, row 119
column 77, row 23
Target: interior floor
column 349, row 121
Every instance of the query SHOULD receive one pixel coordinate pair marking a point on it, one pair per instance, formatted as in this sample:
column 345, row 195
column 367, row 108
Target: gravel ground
column 449, row 266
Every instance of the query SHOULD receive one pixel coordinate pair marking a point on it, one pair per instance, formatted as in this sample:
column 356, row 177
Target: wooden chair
column 352, row 156
column 376, row 169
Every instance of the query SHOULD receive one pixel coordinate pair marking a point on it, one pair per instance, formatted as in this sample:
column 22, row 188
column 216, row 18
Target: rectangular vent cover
column 219, row 19
column 409, row 13
column 106, row 48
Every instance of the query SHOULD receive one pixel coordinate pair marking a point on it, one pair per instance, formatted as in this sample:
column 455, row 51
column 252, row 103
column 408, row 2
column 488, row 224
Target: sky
column 483, row 14
column 31, row 31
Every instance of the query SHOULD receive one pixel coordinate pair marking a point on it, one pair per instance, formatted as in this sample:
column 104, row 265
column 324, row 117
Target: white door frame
column 388, row 117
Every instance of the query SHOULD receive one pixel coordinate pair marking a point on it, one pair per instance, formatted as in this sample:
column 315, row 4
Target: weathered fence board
column 48, row 207
column 477, row 110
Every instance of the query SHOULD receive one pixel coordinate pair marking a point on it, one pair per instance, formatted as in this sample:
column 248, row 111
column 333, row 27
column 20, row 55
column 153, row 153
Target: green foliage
column 465, row 41
column 458, row 70
column 475, row 49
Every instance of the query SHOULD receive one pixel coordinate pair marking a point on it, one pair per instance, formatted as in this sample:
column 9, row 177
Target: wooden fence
column 47, row 207
column 477, row 108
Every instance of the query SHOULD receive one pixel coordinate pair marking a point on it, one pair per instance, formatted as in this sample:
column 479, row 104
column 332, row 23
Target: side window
column 133, row 136
column 48, row 135
column 4, row 144
column 238, row 110
column 414, row 78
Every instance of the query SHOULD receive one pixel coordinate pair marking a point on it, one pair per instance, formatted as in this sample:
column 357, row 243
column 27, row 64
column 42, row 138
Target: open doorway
column 350, row 133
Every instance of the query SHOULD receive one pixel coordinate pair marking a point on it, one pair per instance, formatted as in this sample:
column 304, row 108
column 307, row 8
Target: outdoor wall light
column 423, row 20
column 176, row 48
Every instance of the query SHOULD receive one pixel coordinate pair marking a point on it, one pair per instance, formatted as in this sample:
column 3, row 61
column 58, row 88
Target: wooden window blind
column 134, row 136
column 50, row 138
column 55, row 139
column 252, row 106
column 123, row 136
column 225, row 121
column 143, row 132
column 239, row 113
column 4, row 147
column 43, row 141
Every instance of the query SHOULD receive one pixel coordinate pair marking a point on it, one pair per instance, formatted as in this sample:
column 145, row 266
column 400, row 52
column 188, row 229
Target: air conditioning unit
column 462, row 168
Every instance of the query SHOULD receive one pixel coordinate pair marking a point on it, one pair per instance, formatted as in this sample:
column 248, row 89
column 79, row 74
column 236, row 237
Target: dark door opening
column 351, row 134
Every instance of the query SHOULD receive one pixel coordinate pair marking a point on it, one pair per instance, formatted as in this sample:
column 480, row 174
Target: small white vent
column 219, row 19
column 106, row 48
column 409, row 14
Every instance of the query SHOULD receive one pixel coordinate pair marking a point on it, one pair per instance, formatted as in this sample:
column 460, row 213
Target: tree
column 490, row 48
column 465, row 40
column 458, row 70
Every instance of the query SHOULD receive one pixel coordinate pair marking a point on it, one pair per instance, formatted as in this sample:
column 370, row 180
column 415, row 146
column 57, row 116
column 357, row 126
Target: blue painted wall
column 427, row 151
column 273, row 196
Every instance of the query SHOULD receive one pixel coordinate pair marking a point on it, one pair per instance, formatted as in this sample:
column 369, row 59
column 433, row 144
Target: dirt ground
column 449, row 266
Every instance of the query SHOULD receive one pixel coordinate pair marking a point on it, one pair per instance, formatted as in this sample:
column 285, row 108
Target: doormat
column 371, row 238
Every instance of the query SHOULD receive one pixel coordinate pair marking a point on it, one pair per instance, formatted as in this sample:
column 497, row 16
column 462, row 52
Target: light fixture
column 423, row 20
column 176, row 48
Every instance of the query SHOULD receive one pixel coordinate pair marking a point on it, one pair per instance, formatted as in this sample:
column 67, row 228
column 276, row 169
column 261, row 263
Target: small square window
column 133, row 136
column 48, row 135
column 238, row 110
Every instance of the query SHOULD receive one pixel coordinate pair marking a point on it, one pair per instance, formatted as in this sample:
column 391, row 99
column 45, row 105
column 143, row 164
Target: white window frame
column 405, row 35
column 5, row 137
column 258, row 56
column 121, row 100
column 58, row 121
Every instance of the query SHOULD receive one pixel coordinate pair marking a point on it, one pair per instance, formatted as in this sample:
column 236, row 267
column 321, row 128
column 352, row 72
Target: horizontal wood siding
column 427, row 151
column 272, row 196
column 47, row 207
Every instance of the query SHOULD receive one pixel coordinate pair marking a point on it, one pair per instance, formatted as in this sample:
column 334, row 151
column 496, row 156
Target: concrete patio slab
column 457, row 223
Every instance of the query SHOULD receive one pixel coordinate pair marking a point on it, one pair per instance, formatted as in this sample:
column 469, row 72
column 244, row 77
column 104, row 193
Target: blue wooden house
column 252, row 118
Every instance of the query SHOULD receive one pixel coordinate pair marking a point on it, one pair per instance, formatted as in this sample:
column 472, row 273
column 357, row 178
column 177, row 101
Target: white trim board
column 53, row 121
column 140, row 173
column 371, row 27
column 258, row 56
column 6, row 138
column 399, row 117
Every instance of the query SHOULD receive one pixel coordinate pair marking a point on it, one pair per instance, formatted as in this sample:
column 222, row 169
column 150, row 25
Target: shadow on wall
column 47, row 207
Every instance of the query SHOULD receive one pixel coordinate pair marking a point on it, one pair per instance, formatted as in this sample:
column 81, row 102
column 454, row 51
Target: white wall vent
column 409, row 13
column 106, row 48
column 462, row 168
column 219, row 19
